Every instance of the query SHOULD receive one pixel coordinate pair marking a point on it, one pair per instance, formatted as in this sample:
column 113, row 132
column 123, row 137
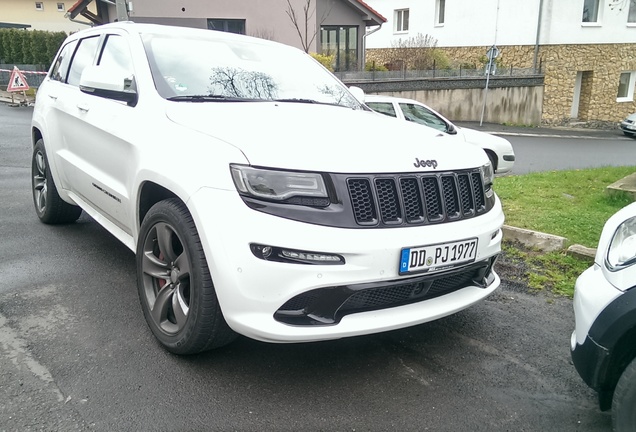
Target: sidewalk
column 18, row 97
column 551, row 131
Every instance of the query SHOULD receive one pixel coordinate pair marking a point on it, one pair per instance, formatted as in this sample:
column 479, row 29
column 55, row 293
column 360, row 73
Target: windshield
column 213, row 69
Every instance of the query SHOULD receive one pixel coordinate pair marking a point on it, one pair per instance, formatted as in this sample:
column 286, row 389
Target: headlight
column 489, row 178
column 280, row 185
column 622, row 250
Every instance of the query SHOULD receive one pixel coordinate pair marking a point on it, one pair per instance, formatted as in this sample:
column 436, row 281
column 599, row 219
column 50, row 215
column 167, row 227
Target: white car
column 603, row 343
column 499, row 150
column 628, row 126
column 235, row 169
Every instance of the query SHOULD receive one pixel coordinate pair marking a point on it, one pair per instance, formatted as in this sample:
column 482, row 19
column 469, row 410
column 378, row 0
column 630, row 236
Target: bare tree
column 301, row 21
column 416, row 52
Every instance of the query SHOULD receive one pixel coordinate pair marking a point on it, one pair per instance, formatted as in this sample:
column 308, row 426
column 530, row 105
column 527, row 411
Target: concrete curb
column 546, row 242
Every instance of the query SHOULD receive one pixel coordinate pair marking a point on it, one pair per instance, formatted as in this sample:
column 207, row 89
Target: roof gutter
column 364, row 44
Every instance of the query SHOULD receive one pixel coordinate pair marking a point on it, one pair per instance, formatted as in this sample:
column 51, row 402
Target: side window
column 116, row 54
column 382, row 108
column 421, row 115
column 60, row 67
column 84, row 56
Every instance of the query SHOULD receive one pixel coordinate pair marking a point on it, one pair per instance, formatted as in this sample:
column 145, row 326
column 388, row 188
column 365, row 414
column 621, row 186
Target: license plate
column 434, row 258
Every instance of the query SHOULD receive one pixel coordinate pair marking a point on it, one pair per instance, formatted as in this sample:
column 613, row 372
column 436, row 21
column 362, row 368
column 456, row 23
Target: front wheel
column 624, row 400
column 50, row 208
column 629, row 134
column 175, row 287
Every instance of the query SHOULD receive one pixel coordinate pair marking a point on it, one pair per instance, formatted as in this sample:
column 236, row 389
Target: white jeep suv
column 240, row 173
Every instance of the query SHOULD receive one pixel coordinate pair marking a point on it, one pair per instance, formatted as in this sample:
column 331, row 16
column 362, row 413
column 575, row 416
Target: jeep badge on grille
column 425, row 163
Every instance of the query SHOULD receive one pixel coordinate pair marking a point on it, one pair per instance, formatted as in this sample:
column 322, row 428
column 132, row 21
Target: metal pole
column 122, row 10
column 536, row 44
column 483, row 108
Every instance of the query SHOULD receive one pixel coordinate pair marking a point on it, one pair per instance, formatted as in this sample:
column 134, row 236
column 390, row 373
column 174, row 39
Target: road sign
column 17, row 81
column 492, row 53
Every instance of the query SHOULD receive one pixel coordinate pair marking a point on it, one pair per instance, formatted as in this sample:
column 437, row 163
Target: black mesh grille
column 362, row 201
column 416, row 199
column 335, row 302
column 412, row 200
column 388, row 201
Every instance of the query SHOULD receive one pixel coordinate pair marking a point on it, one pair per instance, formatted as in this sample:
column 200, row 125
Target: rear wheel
column 624, row 401
column 50, row 208
column 175, row 287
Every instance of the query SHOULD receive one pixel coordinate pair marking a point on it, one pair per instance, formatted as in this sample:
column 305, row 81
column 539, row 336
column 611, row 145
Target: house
column 584, row 47
column 330, row 27
column 47, row 15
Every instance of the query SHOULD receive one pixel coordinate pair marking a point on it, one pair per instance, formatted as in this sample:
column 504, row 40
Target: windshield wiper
column 207, row 98
column 300, row 100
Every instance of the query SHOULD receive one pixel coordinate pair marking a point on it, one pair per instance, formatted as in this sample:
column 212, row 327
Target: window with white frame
column 631, row 15
column 60, row 7
column 401, row 20
column 440, row 12
column 591, row 11
column 626, row 86
column 39, row 6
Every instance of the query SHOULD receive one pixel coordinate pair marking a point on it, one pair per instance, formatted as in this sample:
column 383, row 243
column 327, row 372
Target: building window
column 631, row 15
column 60, row 7
column 401, row 20
column 626, row 87
column 342, row 43
column 590, row 11
column 39, row 6
column 440, row 11
column 227, row 25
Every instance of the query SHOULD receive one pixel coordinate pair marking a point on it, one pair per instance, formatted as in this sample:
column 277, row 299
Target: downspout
column 364, row 44
column 536, row 44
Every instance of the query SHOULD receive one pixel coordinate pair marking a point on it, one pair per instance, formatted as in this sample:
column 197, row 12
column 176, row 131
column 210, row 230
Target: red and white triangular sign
column 17, row 81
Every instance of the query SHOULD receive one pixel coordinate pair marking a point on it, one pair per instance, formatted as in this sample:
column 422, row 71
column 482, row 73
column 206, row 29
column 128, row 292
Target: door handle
column 54, row 97
column 82, row 107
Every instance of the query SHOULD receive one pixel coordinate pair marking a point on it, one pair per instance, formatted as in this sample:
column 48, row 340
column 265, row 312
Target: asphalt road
column 75, row 352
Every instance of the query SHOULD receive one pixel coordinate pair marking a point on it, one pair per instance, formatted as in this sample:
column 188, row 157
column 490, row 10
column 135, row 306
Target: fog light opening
column 278, row 254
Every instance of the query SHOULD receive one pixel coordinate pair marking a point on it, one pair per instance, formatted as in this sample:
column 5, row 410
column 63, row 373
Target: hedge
column 35, row 47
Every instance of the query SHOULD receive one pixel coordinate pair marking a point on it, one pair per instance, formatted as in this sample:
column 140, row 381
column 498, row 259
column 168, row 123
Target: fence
column 34, row 74
column 434, row 73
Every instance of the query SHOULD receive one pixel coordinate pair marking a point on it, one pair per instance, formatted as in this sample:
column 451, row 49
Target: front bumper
column 628, row 127
column 251, row 290
column 505, row 163
column 593, row 293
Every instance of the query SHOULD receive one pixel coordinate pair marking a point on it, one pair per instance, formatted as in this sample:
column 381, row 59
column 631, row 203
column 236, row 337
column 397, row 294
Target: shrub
column 372, row 66
column 325, row 60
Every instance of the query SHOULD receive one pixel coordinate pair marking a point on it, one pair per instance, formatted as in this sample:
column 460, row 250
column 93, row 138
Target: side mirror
column 358, row 93
column 450, row 129
column 109, row 83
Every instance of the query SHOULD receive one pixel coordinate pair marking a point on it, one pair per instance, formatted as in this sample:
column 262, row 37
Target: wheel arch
column 494, row 159
column 36, row 134
column 615, row 330
column 150, row 193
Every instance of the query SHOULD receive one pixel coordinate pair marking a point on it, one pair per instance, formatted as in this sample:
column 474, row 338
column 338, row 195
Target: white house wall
column 504, row 22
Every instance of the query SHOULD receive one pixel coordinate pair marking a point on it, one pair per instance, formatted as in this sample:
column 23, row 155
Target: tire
column 50, row 208
column 624, row 400
column 175, row 287
column 629, row 134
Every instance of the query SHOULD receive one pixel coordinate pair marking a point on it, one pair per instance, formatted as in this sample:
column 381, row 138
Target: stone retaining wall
column 601, row 66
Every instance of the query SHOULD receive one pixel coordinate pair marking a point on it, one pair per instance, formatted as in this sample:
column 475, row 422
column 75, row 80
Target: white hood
column 324, row 138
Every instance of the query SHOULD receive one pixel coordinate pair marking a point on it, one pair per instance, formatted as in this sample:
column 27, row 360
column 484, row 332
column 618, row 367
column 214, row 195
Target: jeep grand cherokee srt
column 241, row 173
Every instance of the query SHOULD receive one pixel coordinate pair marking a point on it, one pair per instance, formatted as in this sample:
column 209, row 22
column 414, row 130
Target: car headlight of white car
column 280, row 186
column 489, row 177
column 622, row 250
